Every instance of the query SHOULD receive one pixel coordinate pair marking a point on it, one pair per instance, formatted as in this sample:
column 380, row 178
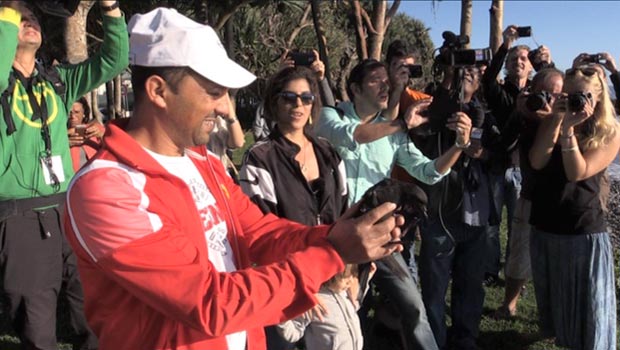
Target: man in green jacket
column 36, row 168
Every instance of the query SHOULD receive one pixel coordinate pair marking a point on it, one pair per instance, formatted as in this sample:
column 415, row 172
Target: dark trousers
column 35, row 260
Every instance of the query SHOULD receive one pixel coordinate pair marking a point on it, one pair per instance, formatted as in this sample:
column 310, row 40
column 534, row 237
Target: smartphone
column 302, row 58
column 524, row 31
column 80, row 129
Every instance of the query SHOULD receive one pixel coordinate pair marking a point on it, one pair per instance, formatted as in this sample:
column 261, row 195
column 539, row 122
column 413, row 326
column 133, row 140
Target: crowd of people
column 162, row 243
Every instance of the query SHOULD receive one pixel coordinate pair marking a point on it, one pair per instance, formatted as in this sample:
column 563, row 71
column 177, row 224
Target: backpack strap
column 6, row 105
column 50, row 73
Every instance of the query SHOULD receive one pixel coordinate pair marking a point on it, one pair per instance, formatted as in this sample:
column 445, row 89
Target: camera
column 415, row 70
column 57, row 8
column 578, row 101
column 302, row 58
column 524, row 31
column 453, row 53
column 594, row 58
column 537, row 101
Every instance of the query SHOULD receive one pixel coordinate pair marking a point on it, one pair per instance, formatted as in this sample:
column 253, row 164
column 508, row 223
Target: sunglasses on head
column 587, row 71
column 307, row 98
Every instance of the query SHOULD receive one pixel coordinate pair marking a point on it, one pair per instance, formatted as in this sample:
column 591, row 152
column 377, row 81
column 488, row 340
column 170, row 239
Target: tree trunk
column 76, row 43
column 320, row 37
column 360, row 33
column 118, row 106
column 94, row 105
column 109, row 94
column 466, row 18
column 375, row 37
column 497, row 17
column 75, row 33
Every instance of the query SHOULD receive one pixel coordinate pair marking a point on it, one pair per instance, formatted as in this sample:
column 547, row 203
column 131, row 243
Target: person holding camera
column 571, row 251
column 84, row 134
column 460, row 208
column 174, row 255
column 504, row 166
column 606, row 60
column 532, row 106
column 370, row 145
column 36, row 167
column 401, row 67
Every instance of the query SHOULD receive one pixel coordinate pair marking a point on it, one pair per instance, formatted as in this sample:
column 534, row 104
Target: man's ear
column 356, row 90
column 155, row 88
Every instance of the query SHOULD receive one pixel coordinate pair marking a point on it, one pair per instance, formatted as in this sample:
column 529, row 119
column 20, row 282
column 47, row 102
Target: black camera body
column 454, row 55
column 594, row 58
column 578, row 101
column 415, row 70
column 537, row 101
column 524, row 32
column 302, row 58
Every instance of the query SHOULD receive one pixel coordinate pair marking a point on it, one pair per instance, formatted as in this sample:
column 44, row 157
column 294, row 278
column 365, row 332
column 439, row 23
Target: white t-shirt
column 215, row 230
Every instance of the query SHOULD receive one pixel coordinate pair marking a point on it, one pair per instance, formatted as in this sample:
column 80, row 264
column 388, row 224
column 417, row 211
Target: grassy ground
column 519, row 333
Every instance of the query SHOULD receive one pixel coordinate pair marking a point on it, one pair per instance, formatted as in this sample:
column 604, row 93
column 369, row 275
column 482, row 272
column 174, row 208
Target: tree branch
column 367, row 21
column 305, row 22
column 391, row 12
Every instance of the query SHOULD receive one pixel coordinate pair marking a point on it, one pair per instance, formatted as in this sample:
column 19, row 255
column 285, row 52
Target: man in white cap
column 173, row 255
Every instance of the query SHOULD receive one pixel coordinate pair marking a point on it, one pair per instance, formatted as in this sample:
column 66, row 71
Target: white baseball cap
column 165, row 38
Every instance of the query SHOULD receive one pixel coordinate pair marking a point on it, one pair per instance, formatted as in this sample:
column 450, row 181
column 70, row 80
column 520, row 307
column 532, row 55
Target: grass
column 519, row 333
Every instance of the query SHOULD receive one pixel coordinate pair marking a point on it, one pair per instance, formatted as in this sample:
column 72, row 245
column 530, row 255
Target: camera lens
column 535, row 102
column 577, row 102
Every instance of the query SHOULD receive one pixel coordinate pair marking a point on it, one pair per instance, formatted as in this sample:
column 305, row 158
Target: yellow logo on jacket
column 48, row 93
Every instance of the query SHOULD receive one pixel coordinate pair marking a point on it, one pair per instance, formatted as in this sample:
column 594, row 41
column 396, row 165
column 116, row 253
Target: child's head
column 342, row 280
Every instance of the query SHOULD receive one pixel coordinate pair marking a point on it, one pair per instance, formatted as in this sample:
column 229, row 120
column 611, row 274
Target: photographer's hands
column 510, row 35
column 367, row 237
column 461, row 123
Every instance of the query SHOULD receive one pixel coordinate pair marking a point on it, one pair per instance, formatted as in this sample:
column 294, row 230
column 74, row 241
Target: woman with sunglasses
column 293, row 174
column 571, row 252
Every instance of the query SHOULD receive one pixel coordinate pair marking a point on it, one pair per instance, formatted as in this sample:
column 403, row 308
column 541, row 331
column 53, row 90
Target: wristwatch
column 110, row 8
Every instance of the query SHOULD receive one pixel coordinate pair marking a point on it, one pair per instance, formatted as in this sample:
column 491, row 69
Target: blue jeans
column 505, row 189
column 406, row 297
column 463, row 259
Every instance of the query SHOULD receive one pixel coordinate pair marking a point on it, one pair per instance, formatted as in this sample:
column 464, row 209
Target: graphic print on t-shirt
column 214, row 225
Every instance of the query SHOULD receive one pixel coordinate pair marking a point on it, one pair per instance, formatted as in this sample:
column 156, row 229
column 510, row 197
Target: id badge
column 56, row 165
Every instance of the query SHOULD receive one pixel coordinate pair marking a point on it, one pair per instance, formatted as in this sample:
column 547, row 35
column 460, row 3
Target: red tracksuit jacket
column 142, row 256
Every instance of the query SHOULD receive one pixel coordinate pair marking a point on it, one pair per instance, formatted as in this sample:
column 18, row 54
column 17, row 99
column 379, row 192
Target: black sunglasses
column 307, row 98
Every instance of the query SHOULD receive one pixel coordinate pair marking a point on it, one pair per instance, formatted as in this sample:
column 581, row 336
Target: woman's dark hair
column 360, row 71
column 280, row 79
column 82, row 100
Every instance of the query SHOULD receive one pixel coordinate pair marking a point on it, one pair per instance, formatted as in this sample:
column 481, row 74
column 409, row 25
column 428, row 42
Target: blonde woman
column 571, row 252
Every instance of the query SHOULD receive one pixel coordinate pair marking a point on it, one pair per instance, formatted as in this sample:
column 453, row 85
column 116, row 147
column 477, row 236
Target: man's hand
column 367, row 237
column 318, row 66
column 461, row 123
column 609, row 64
column 413, row 117
column 510, row 35
column 543, row 55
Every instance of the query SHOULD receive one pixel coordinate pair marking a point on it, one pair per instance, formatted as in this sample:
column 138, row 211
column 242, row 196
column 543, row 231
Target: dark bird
column 411, row 203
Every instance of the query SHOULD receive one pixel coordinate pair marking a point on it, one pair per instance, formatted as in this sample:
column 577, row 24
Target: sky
column 566, row 27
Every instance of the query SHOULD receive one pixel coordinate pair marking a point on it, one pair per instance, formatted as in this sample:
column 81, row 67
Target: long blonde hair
column 602, row 126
